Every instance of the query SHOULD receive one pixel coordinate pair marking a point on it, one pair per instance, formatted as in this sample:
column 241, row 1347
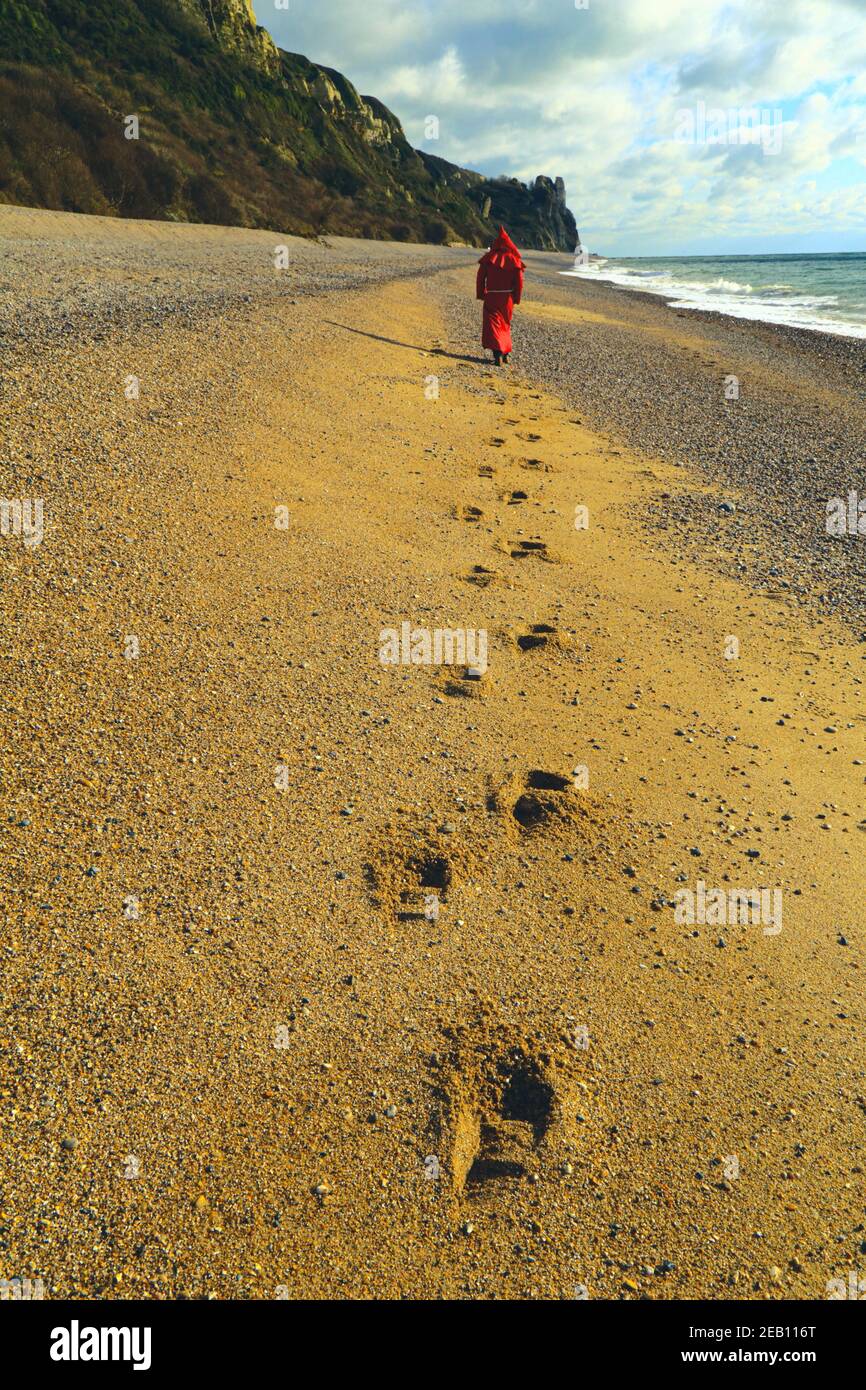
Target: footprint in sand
column 535, row 549
column 470, row 513
column 469, row 684
column 421, row 902
column 539, row 635
column 497, row 1106
column 539, row 801
column 486, row 470
column 537, row 465
column 410, row 876
column 530, row 438
column 481, row 576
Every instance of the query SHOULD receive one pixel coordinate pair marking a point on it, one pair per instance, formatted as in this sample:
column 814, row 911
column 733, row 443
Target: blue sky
column 680, row 126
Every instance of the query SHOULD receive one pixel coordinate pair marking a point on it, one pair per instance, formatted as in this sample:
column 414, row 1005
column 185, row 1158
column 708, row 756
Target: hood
column 502, row 250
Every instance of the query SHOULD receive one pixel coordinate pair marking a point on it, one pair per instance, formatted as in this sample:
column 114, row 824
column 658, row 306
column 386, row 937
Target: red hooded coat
column 500, row 285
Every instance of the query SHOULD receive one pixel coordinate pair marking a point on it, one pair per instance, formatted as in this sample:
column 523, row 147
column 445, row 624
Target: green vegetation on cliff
column 231, row 130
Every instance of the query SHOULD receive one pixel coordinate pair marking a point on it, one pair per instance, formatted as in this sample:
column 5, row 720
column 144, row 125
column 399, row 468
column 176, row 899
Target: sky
column 680, row 127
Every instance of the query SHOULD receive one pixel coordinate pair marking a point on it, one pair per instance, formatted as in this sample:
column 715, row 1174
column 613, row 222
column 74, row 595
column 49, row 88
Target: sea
column 826, row 292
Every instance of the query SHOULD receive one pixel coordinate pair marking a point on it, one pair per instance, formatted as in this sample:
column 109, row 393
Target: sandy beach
column 329, row 977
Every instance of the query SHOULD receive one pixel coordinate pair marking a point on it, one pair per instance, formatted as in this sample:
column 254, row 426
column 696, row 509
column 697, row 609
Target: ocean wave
column 781, row 302
column 731, row 286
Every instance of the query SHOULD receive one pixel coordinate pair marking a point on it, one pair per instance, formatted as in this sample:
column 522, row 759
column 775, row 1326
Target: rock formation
column 232, row 130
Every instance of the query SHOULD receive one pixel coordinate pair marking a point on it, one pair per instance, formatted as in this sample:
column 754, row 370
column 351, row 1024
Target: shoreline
column 799, row 335
column 674, row 292
column 843, row 347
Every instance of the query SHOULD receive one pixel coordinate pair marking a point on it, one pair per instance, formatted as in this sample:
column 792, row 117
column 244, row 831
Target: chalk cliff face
column 232, row 24
column 232, row 130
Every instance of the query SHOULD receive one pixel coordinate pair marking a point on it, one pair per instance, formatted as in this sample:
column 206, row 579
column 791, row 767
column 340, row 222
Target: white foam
column 778, row 303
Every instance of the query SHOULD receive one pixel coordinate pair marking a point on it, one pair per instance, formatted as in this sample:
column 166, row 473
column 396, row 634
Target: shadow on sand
column 413, row 347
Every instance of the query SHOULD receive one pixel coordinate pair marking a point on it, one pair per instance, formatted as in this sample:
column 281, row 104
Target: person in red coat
column 500, row 285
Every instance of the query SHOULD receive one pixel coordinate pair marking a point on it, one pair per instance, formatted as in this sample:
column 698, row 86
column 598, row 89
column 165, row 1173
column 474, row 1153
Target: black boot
column 497, row 359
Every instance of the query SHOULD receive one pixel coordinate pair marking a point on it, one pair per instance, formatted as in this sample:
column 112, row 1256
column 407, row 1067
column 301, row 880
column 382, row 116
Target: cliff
column 231, row 130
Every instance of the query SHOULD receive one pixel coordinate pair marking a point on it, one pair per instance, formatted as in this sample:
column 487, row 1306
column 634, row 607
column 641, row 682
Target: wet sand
column 242, row 1054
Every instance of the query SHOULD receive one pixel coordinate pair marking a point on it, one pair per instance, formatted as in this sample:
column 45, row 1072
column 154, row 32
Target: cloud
column 523, row 87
